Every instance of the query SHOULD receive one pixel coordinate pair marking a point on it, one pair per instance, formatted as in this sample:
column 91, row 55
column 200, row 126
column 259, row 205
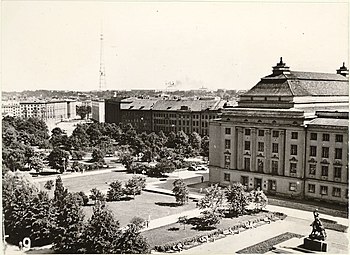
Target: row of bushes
column 215, row 234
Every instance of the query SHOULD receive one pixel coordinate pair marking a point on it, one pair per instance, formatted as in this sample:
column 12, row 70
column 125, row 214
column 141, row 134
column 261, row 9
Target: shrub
column 85, row 198
column 115, row 191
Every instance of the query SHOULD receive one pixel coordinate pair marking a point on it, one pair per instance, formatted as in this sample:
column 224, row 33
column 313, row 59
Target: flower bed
column 216, row 234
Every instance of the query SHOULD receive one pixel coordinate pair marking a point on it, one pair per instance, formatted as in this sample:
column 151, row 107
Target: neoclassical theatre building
column 287, row 136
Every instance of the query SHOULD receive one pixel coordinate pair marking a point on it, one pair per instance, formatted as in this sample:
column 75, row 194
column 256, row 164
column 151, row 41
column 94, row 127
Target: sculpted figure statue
column 318, row 231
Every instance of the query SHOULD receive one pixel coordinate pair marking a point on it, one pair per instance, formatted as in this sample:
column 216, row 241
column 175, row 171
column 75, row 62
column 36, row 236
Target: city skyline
column 217, row 45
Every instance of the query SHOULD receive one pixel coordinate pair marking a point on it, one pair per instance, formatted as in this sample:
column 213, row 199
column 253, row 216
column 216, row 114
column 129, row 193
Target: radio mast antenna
column 102, row 83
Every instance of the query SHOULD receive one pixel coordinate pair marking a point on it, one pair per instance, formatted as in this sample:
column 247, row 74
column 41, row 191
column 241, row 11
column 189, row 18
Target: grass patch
column 268, row 244
column 143, row 206
column 166, row 234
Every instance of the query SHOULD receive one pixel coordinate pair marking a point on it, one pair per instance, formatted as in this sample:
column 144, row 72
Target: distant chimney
column 280, row 68
column 343, row 70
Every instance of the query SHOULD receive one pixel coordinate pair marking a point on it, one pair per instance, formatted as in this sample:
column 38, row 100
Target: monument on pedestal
column 316, row 240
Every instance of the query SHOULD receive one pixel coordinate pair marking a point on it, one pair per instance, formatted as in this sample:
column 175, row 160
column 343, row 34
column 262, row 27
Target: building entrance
column 257, row 183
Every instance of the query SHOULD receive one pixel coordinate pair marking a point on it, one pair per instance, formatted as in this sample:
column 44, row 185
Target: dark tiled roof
column 171, row 105
column 301, row 84
column 329, row 122
column 193, row 105
column 137, row 104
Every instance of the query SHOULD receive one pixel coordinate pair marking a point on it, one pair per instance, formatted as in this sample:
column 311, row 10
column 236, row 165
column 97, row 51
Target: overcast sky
column 231, row 45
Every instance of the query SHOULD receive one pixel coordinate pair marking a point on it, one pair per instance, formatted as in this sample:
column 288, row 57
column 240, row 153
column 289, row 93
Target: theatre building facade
column 288, row 136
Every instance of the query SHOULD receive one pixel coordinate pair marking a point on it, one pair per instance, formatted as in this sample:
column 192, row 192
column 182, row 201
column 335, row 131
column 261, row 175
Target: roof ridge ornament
column 343, row 70
column 280, row 68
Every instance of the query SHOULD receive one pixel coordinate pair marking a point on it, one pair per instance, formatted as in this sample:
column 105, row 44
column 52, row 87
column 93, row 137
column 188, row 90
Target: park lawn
column 100, row 181
column 176, row 232
column 147, row 204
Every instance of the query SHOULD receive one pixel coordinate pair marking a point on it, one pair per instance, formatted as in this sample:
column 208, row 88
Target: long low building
column 287, row 136
column 156, row 114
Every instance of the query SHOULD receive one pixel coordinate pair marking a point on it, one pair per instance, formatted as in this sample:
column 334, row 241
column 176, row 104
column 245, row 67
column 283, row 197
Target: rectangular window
column 292, row 186
column 293, row 168
column 311, row 188
column 312, row 169
column 272, row 185
column 324, row 170
column 227, row 131
column 247, row 164
column 274, row 166
column 325, row 137
column 275, row 133
column 338, row 153
column 247, row 145
column 313, row 150
column 227, row 144
column 226, row 177
column 260, row 166
column 244, row 181
column 336, row 192
column 227, row 161
column 261, row 133
column 323, row 190
column 261, row 146
column 325, row 152
column 313, row 136
column 293, row 149
column 247, row 131
column 275, row 147
column 339, row 138
column 337, row 172
column 294, row 135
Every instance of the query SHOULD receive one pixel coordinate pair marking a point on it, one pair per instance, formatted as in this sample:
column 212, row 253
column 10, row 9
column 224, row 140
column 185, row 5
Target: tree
column 36, row 163
column 83, row 111
column 164, row 166
column 126, row 159
column 237, row 198
column 138, row 222
column 78, row 155
column 68, row 225
column 258, row 198
column 27, row 212
column 79, row 138
column 213, row 205
column 132, row 242
column 49, row 185
column 84, row 197
column 14, row 159
column 97, row 195
column 135, row 185
column 60, row 192
column 205, row 146
column 98, row 155
column 101, row 232
column 195, row 141
column 180, row 191
column 115, row 192
column 183, row 220
column 58, row 159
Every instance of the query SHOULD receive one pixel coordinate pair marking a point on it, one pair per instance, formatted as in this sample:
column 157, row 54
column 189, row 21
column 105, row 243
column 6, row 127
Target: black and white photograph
column 186, row 127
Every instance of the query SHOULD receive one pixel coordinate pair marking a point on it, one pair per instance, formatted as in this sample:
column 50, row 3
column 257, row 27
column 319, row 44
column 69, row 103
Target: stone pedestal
column 314, row 245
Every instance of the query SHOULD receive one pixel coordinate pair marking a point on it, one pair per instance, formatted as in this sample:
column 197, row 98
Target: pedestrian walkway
column 77, row 174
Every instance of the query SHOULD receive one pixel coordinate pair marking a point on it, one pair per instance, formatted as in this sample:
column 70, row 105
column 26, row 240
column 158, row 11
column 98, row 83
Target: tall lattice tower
column 102, row 84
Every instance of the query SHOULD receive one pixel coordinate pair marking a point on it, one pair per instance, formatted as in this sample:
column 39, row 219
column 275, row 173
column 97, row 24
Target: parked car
column 203, row 168
column 192, row 168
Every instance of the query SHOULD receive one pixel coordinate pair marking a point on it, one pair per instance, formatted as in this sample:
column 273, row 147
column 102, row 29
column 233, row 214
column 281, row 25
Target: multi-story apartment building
column 155, row 114
column 278, row 141
column 10, row 108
